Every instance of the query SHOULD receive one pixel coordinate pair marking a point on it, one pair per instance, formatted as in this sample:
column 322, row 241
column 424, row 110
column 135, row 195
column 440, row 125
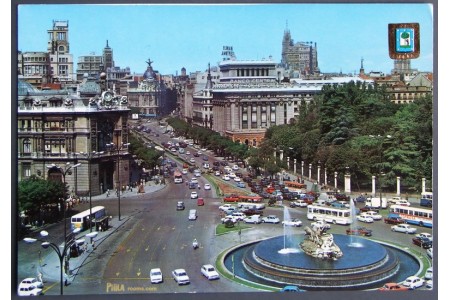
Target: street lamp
column 118, row 149
column 62, row 254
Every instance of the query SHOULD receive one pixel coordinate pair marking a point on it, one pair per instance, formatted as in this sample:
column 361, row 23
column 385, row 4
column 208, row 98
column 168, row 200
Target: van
column 254, row 219
column 192, row 214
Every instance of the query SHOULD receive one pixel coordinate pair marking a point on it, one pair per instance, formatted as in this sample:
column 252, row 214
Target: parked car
column 180, row 276
column 413, row 282
column 194, row 195
column 364, row 218
column 405, row 228
column 32, row 281
column 227, row 207
column 238, row 215
column 229, row 218
column 292, row 222
column 375, row 215
column 156, row 275
column 240, row 184
column 226, row 177
column 299, row 203
column 422, row 242
column 28, row 290
column 209, row 272
column 430, row 252
column 271, row 219
column 359, row 231
column 393, row 219
column 392, row 286
column 253, row 219
column 426, row 235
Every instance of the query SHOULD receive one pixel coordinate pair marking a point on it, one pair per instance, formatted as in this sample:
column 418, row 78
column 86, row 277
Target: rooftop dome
column 24, row 88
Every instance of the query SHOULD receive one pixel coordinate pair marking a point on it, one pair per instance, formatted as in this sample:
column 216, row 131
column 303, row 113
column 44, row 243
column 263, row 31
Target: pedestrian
column 100, row 228
column 107, row 193
column 40, row 277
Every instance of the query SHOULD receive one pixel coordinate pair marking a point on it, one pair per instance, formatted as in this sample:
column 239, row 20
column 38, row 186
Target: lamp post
column 118, row 149
column 62, row 254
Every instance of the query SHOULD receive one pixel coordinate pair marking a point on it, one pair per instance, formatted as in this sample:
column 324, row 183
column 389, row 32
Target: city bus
column 414, row 215
column 177, row 176
column 83, row 219
column 293, row 186
column 330, row 214
column 426, row 199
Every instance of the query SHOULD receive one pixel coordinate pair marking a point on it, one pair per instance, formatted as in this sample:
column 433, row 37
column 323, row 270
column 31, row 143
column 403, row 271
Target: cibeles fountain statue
column 320, row 244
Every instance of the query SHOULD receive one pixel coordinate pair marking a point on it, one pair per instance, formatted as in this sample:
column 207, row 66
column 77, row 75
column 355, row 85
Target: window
column 26, row 170
column 26, row 146
column 254, row 122
column 244, row 117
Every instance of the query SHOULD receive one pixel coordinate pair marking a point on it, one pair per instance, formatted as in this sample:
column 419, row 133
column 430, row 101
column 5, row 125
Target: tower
column 361, row 70
column 285, row 45
column 108, row 61
column 58, row 38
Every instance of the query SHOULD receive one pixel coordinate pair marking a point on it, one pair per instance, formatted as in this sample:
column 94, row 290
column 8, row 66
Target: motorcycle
column 195, row 244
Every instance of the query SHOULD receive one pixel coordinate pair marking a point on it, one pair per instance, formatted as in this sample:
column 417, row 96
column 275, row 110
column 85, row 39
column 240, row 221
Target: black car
column 423, row 242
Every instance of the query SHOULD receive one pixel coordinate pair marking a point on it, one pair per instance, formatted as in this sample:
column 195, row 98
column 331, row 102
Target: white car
column 28, row 290
column 209, row 272
column 365, row 218
column 194, row 180
column 217, row 173
column 192, row 160
column 271, row 219
column 405, row 228
column 188, row 153
column 299, row 203
column 429, row 274
column 237, row 179
column 231, row 175
column 425, row 235
column 184, row 171
column 413, row 282
column 226, row 177
column 194, row 195
column 229, row 217
column 235, row 167
column 32, row 281
column 180, row 276
column 207, row 186
column 375, row 216
column 156, row 275
column 292, row 222
column 227, row 207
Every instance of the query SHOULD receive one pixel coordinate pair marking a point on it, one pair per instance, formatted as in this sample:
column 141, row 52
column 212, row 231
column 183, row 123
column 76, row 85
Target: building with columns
column 64, row 128
column 250, row 97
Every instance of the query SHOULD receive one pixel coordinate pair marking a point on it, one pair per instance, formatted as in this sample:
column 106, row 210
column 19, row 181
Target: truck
column 393, row 219
column 375, row 202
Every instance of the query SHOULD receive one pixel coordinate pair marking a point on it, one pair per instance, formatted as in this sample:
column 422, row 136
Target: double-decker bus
column 414, row 215
column 426, row 199
column 330, row 214
column 84, row 219
column 177, row 176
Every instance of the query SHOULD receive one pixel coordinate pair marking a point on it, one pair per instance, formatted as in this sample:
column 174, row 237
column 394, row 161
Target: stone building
column 62, row 128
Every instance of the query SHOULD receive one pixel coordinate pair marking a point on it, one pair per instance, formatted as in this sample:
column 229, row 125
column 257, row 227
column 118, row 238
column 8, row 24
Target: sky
column 191, row 36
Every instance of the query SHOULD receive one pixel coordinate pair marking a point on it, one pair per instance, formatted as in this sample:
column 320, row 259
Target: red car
column 359, row 231
column 392, row 286
column 200, row 202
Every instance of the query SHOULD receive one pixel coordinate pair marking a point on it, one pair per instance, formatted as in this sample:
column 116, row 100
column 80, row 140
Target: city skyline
column 191, row 36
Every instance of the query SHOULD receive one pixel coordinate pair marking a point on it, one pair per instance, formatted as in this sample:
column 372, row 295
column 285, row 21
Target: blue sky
column 191, row 36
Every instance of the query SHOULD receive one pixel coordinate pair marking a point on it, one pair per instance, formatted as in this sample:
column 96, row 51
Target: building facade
column 62, row 128
column 58, row 47
column 299, row 58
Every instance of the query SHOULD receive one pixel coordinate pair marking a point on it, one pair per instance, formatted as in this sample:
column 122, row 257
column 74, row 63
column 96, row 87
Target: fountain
column 322, row 262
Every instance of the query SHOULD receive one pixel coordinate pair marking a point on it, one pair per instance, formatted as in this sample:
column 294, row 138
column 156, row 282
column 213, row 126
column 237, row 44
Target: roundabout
column 278, row 261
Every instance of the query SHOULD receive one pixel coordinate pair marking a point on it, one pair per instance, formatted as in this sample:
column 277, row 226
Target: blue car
column 291, row 288
column 240, row 184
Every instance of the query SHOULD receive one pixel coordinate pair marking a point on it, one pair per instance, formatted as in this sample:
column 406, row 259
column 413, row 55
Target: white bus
column 330, row 214
column 426, row 199
column 414, row 215
column 83, row 219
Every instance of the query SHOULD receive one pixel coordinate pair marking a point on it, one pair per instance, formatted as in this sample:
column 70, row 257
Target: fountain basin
column 365, row 264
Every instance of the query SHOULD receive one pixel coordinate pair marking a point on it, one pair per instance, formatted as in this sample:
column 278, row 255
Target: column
column 295, row 166
column 347, row 183
column 335, row 180
column 325, row 176
column 281, row 155
column 318, row 174
column 303, row 163
column 310, row 166
column 275, row 154
column 373, row 185
column 287, row 158
column 398, row 185
column 423, row 185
